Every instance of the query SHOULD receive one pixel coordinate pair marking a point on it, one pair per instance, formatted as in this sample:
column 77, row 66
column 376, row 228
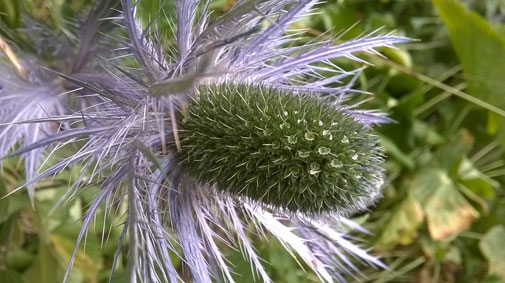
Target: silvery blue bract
column 138, row 120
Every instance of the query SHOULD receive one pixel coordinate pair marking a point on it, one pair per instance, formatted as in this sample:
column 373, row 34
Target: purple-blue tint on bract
column 124, row 117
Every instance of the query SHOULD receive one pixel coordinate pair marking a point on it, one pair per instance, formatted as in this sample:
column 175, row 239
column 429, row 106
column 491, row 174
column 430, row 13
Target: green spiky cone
column 290, row 152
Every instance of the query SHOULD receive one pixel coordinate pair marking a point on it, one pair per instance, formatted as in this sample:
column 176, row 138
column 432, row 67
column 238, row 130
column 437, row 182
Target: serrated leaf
column 446, row 209
column 492, row 247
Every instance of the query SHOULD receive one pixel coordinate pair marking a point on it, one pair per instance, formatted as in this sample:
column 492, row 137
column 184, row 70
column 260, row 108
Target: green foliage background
column 443, row 215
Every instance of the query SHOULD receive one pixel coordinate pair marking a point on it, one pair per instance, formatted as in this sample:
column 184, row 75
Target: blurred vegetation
column 443, row 215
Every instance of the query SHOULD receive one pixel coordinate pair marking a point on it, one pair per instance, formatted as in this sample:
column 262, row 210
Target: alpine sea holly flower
column 234, row 129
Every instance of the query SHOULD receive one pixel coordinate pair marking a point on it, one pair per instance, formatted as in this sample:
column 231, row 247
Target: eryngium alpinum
column 230, row 130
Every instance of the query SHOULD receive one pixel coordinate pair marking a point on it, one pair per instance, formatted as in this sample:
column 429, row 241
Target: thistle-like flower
column 285, row 150
column 236, row 130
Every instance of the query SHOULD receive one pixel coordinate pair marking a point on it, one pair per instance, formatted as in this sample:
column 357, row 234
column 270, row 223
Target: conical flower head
column 291, row 152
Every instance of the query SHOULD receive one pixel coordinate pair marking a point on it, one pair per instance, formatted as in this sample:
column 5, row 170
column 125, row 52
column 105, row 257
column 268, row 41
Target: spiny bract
column 291, row 152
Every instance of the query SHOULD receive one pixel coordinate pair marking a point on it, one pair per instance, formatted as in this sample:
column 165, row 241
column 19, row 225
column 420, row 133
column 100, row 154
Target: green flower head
column 289, row 151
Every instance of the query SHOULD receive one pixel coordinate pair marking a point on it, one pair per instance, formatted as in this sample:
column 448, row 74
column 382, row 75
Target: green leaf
column 339, row 16
column 393, row 150
column 45, row 268
column 4, row 202
column 494, row 123
column 10, row 13
column 427, row 133
column 284, row 268
column 87, row 259
column 476, row 181
column 446, row 209
column 493, row 278
column 19, row 259
column 481, row 51
column 492, row 247
column 403, row 224
column 10, row 276
column 6, row 231
column 399, row 56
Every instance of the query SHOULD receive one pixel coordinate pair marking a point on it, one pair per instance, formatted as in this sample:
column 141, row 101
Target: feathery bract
column 234, row 130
